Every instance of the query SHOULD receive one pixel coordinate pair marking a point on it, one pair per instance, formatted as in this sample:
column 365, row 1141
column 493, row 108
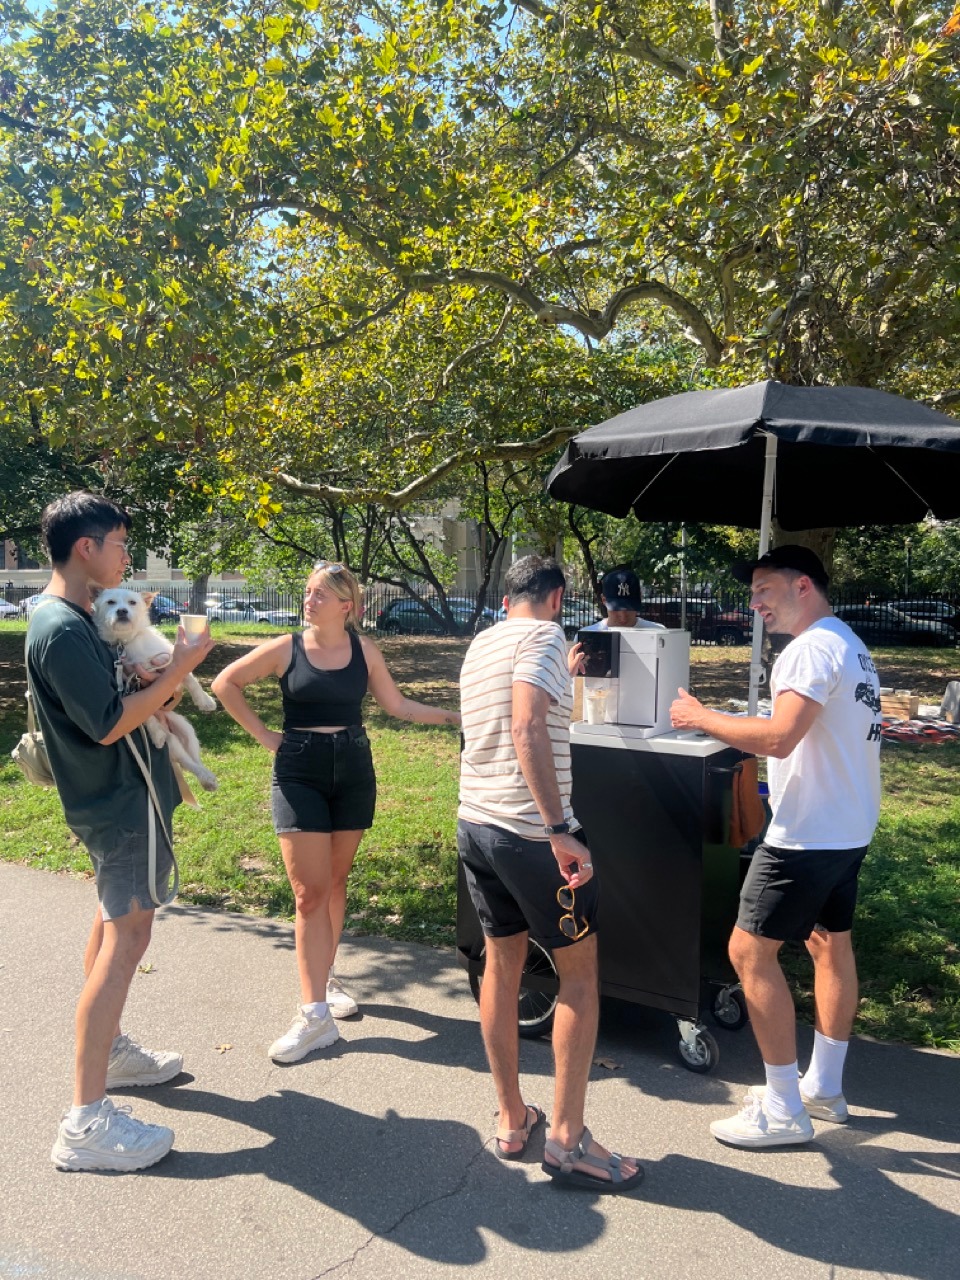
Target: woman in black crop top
column 323, row 789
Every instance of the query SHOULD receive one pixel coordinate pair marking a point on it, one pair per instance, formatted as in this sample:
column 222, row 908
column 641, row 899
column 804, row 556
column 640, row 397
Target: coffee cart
column 656, row 805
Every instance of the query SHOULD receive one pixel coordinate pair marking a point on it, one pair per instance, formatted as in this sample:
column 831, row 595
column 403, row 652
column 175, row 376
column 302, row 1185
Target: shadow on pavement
column 385, row 1172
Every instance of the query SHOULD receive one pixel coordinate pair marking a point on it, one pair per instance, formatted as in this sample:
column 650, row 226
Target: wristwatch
column 558, row 829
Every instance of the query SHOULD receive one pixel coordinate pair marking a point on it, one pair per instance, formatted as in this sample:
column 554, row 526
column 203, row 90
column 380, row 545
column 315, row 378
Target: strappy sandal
column 565, row 1175
column 519, row 1135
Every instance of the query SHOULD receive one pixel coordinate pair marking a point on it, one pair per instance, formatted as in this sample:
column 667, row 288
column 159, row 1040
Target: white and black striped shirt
column 492, row 786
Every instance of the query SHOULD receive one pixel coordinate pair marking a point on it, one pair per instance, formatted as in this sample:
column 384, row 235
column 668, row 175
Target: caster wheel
column 702, row 1055
column 730, row 1009
column 536, row 1008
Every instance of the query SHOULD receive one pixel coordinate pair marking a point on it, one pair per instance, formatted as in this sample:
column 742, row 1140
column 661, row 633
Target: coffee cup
column 595, row 703
column 195, row 626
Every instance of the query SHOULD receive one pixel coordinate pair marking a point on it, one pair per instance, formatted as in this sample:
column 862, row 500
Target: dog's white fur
column 122, row 617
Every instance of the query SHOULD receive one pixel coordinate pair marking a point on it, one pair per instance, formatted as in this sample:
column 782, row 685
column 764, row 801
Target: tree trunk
column 819, row 541
column 198, row 593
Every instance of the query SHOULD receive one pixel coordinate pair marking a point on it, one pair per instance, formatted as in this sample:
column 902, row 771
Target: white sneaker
column 834, row 1109
column 130, row 1064
column 341, row 1004
column 113, row 1140
column 753, row 1127
column 306, row 1034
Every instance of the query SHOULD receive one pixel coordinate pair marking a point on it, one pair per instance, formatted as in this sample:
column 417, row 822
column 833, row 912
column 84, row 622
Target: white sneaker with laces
column 342, row 1005
column 753, row 1127
column 834, row 1109
column 306, row 1034
column 113, row 1140
column 130, row 1064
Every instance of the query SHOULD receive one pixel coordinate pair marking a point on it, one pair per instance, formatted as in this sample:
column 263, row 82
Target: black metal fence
column 712, row 616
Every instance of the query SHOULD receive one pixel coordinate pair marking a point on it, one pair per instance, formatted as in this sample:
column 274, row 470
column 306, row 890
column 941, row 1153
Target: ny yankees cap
column 802, row 559
column 621, row 590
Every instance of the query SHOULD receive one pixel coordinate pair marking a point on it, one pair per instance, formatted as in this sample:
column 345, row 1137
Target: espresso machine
column 631, row 676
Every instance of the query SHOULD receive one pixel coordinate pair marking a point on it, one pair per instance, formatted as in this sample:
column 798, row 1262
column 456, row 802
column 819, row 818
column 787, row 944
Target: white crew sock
column 782, row 1099
column 316, row 1010
column 79, row 1117
column 824, row 1076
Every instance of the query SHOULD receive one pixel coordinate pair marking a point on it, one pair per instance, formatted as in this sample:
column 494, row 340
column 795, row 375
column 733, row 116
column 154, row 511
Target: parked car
column 708, row 621
column 409, row 617
column 929, row 610
column 8, row 610
column 883, row 624
column 253, row 611
column 576, row 614
column 164, row 609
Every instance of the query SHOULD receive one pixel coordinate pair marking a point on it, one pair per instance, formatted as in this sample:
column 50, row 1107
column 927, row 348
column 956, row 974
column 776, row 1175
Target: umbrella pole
column 766, row 521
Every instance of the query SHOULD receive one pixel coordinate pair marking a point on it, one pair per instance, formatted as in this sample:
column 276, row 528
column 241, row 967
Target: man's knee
column 831, row 949
column 749, row 951
column 577, row 966
column 131, row 932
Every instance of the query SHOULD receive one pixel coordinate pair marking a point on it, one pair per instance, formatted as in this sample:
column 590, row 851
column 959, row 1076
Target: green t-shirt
column 70, row 673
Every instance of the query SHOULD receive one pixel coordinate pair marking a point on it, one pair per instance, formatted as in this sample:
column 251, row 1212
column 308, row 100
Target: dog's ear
column 148, row 597
column 95, row 591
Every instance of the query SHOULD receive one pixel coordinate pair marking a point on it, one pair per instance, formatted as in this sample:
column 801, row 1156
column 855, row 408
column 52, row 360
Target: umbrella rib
column 655, row 478
column 901, row 478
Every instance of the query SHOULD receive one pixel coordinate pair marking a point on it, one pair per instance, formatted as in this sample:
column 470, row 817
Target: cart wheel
column 701, row 1054
column 536, row 1008
column 730, row 1009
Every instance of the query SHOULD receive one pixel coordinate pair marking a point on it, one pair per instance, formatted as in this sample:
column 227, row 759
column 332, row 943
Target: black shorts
column 513, row 883
column 323, row 782
column 788, row 891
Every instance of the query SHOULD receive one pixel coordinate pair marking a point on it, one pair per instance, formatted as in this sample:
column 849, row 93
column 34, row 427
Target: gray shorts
column 121, row 869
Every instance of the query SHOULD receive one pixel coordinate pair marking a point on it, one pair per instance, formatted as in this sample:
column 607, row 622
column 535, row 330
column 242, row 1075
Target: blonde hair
column 342, row 584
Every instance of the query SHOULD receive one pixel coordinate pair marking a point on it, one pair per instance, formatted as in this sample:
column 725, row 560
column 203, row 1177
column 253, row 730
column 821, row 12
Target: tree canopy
column 347, row 243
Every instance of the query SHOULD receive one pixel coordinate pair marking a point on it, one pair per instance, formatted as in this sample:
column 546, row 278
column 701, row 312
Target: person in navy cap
column 623, row 600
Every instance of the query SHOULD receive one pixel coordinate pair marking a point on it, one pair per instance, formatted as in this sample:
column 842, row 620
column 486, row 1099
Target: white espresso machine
column 631, row 676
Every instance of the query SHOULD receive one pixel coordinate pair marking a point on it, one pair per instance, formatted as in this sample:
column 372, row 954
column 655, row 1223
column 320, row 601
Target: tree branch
column 396, row 500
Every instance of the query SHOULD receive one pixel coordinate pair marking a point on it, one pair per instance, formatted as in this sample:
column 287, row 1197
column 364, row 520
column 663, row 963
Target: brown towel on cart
column 747, row 814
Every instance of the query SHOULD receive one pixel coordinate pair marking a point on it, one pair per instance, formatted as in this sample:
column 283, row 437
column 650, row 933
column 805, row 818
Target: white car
column 8, row 610
column 33, row 602
column 253, row 611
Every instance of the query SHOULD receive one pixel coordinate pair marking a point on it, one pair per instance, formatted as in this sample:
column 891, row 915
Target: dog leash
column 154, row 811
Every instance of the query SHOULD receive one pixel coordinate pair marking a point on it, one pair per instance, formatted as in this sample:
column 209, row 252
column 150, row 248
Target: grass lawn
column 403, row 885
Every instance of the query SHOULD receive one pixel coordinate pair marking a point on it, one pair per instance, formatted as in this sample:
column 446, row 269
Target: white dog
column 122, row 617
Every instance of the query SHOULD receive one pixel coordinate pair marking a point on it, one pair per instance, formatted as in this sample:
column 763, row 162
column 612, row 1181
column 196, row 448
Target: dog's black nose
column 122, row 613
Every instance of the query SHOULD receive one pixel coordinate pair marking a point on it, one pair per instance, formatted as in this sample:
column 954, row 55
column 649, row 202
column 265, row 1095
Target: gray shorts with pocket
column 121, row 868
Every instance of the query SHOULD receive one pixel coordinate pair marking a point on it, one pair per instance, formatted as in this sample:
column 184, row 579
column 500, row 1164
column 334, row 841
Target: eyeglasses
column 330, row 566
column 566, row 898
column 100, row 539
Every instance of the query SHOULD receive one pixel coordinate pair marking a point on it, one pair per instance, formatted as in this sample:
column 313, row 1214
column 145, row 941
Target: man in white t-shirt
column 528, row 868
column 621, row 594
column 823, row 744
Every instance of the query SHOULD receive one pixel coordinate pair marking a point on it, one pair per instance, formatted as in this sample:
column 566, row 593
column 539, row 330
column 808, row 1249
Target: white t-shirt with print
column 826, row 793
column 493, row 790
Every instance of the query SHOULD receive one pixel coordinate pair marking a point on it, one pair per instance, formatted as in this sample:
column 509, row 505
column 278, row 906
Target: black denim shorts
column 323, row 781
column 513, row 884
column 788, row 891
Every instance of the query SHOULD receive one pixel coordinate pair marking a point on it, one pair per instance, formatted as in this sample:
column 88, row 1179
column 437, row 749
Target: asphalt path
column 374, row 1158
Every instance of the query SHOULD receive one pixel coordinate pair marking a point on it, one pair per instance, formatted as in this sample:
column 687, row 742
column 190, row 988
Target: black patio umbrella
column 811, row 457
column 832, row 456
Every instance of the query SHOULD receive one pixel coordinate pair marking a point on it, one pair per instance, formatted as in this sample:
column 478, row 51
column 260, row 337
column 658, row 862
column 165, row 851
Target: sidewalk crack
column 417, row 1208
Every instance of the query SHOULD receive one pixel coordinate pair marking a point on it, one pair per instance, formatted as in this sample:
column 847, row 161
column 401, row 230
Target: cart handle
column 719, row 768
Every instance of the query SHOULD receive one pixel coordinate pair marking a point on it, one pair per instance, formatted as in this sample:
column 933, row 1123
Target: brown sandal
column 565, row 1175
column 519, row 1135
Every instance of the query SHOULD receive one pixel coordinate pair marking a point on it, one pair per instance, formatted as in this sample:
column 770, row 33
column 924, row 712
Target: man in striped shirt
column 528, row 868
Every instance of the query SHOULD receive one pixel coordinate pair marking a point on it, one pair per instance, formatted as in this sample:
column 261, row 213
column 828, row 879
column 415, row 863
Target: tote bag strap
column 154, row 819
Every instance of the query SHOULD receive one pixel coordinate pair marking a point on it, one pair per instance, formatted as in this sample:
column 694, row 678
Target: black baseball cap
column 791, row 556
column 620, row 589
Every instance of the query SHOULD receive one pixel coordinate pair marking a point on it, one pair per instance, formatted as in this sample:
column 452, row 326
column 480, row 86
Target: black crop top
column 313, row 698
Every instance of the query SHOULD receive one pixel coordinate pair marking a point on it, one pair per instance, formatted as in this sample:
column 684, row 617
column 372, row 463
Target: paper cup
column 195, row 626
column 595, row 704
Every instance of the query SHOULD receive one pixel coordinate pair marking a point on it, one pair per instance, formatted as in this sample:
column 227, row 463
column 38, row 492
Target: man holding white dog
column 84, row 719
